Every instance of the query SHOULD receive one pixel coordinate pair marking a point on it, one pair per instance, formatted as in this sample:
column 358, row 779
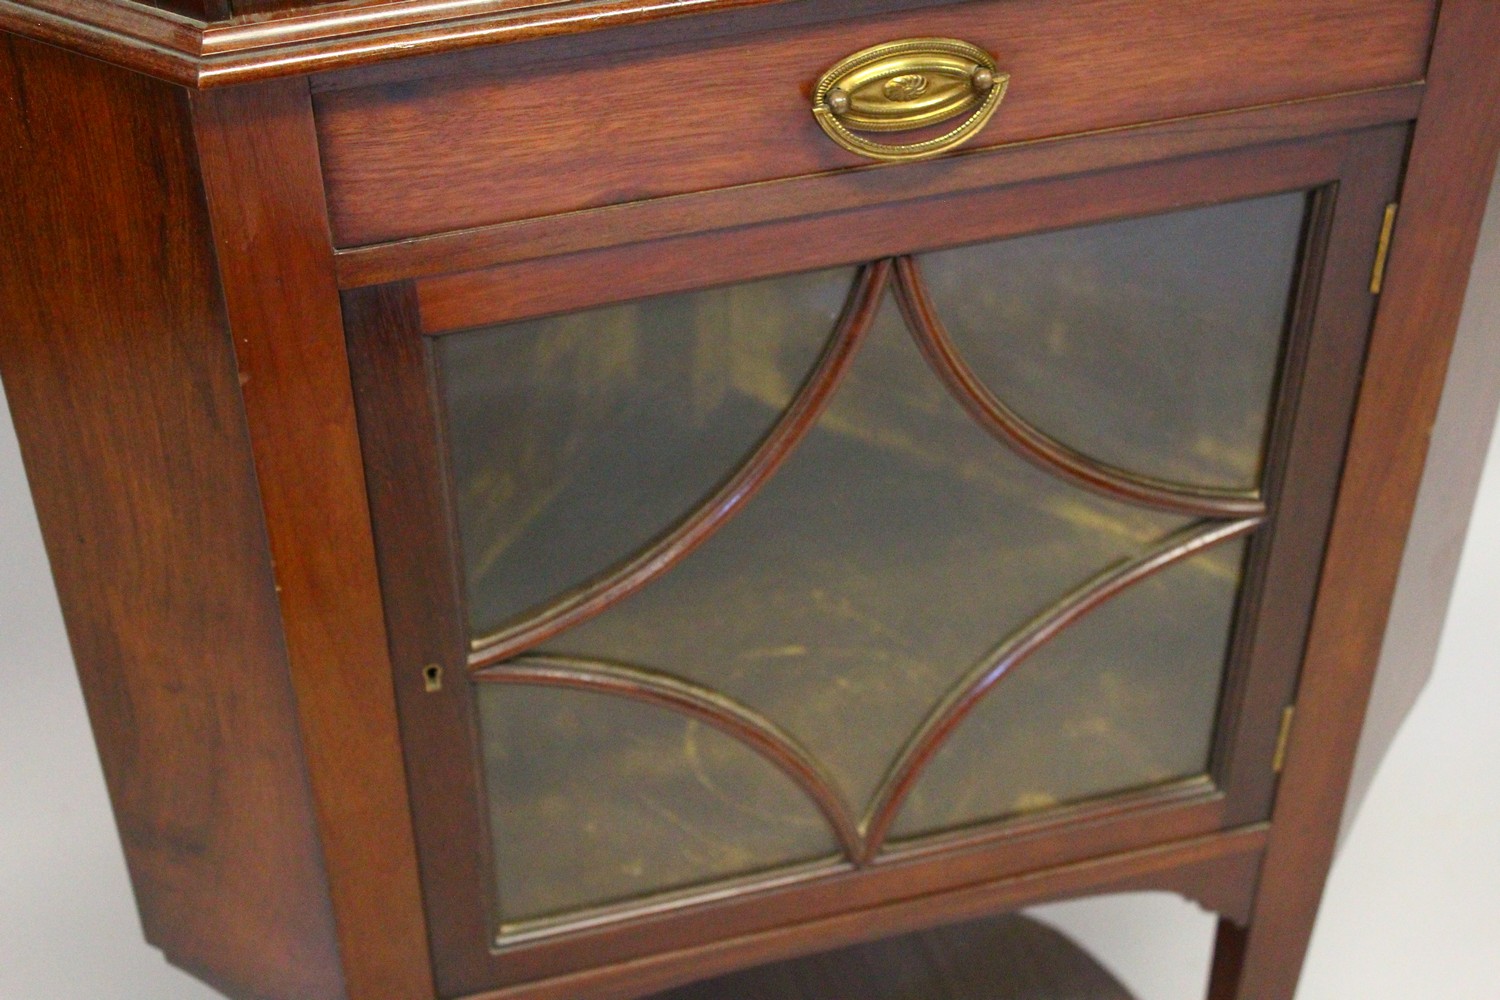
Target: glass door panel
column 895, row 546
column 595, row 799
column 1149, row 344
column 966, row 542
column 576, row 439
column 1123, row 699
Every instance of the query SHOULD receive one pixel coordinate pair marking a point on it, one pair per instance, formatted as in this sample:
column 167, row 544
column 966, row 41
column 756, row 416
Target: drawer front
column 444, row 153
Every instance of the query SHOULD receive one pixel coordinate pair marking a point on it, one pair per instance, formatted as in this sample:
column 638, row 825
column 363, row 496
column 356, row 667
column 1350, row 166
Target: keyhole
column 432, row 677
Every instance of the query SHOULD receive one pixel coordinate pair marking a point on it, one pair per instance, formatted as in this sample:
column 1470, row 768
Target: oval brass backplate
column 904, row 85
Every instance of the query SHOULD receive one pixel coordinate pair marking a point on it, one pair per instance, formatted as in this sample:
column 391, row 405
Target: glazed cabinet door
column 747, row 579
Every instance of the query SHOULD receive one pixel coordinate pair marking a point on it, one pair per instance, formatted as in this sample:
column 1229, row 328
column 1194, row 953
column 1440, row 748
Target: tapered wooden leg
column 1263, row 961
column 1229, row 961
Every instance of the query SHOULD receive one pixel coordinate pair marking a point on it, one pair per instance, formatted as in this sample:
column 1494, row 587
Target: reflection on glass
column 1150, row 344
column 1125, row 698
column 595, row 799
column 896, row 545
column 577, row 439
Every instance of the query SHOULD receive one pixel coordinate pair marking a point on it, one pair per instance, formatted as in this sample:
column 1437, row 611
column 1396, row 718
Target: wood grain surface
column 1214, row 871
column 619, row 273
column 144, row 39
column 999, row 958
column 177, row 369
column 1320, row 388
column 119, row 369
column 260, row 174
column 441, row 154
column 729, row 208
column 416, row 556
column 1453, row 157
column 175, row 41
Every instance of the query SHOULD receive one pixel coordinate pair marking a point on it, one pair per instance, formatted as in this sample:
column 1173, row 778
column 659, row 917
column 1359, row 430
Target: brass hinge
column 1383, row 248
column 1282, row 737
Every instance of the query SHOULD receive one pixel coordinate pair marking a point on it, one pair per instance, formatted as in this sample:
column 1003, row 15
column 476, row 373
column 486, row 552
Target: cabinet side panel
column 1450, row 485
column 121, row 376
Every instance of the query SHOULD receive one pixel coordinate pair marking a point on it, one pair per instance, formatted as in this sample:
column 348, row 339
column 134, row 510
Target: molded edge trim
column 146, row 40
column 201, row 55
column 1216, row 871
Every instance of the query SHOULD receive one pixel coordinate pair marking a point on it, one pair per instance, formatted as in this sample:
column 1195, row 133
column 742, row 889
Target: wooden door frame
column 390, row 327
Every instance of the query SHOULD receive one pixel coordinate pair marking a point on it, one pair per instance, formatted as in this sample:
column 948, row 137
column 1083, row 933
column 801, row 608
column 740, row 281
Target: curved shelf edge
column 1009, row 957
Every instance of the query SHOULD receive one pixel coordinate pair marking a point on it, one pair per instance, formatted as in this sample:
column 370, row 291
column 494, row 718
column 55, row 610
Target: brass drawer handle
column 906, row 85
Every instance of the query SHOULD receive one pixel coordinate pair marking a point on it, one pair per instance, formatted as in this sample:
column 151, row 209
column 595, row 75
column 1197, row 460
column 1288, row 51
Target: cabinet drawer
column 447, row 152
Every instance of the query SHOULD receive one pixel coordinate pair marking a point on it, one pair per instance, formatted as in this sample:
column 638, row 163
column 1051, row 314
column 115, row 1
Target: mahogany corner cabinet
column 564, row 501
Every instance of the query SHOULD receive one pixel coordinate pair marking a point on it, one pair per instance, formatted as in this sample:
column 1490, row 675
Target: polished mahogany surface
column 230, row 399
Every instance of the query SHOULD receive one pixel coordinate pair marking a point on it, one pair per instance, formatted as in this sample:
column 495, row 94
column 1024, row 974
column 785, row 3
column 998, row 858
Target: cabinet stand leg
column 1229, row 961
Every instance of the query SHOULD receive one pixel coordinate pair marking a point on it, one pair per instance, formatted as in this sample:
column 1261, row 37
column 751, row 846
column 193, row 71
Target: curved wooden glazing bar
column 1034, row 445
column 728, row 716
column 579, row 605
column 1000, row 661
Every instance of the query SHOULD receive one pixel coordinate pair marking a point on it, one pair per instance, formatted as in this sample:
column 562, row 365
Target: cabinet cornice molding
column 202, row 54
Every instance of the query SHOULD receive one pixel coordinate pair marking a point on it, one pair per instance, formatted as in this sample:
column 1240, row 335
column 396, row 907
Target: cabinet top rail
column 182, row 42
column 213, row 43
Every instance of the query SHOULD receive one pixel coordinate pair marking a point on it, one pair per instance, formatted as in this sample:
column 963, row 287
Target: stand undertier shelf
column 1004, row 958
